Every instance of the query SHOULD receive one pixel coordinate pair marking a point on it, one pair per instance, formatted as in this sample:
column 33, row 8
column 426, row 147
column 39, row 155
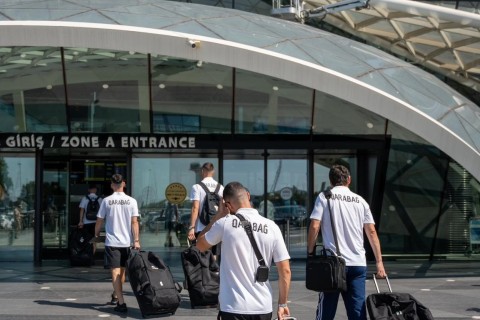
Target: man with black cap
column 120, row 213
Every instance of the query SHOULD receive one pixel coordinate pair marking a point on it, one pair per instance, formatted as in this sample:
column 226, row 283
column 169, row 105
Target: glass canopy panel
column 421, row 91
column 333, row 55
column 336, row 116
column 243, row 31
column 269, row 105
column 107, row 90
column 191, row 96
column 32, row 96
column 462, row 128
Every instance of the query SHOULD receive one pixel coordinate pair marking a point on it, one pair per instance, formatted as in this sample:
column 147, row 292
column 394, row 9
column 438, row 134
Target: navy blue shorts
column 116, row 257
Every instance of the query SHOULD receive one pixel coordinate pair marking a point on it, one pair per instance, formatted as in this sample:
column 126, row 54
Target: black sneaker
column 121, row 308
column 114, row 300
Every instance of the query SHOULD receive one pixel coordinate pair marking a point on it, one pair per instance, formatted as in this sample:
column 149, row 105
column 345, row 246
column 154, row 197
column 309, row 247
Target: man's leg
column 118, row 278
column 115, row 259
column 354, row 298
column 327, row 305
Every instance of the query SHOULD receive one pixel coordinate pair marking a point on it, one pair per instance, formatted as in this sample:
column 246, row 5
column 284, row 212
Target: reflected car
column 153, row 221
column 296, row 214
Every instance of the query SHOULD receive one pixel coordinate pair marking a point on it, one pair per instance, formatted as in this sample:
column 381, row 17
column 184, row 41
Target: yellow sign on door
column 175, row 193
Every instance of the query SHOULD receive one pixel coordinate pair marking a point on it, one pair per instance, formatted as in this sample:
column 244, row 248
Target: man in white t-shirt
column 84, row 222
column 197, row 195
column 120, row 213
column 241, row 296
column 352, row 216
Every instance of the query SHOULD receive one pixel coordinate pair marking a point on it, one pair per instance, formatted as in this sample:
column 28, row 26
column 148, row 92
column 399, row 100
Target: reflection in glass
column 412, row 198
column 336, row 116
column 165, row 224
column 17, row 195
column 191, row 96
column 32, row 96
column 269, row 105
column 55, row 206
column 286, row 201
column 107, row 90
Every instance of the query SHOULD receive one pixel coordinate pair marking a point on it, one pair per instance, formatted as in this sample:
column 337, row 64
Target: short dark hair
column 339, row 175
column 208, row 166
column 232, row 190
column 92, row 186
column 117, row 178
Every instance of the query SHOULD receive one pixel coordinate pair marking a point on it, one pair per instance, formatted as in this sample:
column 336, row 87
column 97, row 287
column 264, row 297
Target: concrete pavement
column 451, row 290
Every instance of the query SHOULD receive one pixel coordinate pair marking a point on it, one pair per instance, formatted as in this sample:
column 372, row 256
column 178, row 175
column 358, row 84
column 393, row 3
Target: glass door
column 161, row 185
column 55, row 205
column 277, row 180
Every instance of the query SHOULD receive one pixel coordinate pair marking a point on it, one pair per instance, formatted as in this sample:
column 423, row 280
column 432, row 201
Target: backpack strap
column 247, row 226
column 206, row 188
column 201, row 184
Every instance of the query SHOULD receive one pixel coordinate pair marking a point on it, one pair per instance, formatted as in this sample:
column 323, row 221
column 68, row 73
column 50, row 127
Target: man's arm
column 82, row 211
column 193, row 219
column 202, row 243
column 375, row 244
column 98, row 226
column 222, row 212
column 284, row 277
column 135, row 233
column 313, row 231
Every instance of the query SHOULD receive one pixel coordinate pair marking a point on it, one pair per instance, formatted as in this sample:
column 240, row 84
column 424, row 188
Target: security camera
column 194, row 43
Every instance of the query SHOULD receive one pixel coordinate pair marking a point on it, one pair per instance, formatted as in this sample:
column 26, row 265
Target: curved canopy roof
column 434, row 34
column 358, row 73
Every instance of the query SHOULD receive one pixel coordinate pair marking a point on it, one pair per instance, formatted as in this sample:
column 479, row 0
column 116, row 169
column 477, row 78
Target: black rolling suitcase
column 395, row 306
column 81, row 250
column 152, row 283
column 202, row 279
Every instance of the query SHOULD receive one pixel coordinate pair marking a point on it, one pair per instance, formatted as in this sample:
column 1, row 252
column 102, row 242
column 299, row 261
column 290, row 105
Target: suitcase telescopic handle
column 376, row 284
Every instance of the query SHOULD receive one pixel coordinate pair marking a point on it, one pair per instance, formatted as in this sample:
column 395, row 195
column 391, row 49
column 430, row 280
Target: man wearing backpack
column 88, row 211
column 200, row 216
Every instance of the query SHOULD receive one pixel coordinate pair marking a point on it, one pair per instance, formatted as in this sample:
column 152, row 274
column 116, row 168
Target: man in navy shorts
column 120, row 213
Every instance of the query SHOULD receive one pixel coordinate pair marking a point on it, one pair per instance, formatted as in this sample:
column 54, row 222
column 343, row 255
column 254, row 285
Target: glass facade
column 276, row 137
column 108, row 91
column 17, row 206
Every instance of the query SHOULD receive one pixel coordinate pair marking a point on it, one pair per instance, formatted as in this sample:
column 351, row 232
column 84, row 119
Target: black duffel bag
column 326, row 272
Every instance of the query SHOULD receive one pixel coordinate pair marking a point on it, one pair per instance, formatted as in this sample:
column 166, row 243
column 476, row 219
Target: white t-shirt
column 239, row 292
column 84, row 203
column 118, row 210
column 351, row 212
column 197, row 193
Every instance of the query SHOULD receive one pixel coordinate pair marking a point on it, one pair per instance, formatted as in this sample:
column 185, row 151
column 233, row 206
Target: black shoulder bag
column 326, row 271
column 262, row 270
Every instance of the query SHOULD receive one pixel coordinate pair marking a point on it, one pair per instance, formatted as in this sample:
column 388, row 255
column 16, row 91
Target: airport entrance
column 65, row 182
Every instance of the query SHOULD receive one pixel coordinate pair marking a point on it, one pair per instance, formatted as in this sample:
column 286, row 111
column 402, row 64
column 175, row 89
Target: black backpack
column 210, row 204
column 92, row 208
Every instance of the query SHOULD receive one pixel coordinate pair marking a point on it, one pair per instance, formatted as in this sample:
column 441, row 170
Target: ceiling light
column 105, row 86
column 219, row 86
column 275, row 88
column 49, row 87
column 369, row 125
column 161, row 86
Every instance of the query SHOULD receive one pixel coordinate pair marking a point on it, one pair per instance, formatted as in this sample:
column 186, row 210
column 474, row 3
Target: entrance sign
column 176, row 193
column 59, row 140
